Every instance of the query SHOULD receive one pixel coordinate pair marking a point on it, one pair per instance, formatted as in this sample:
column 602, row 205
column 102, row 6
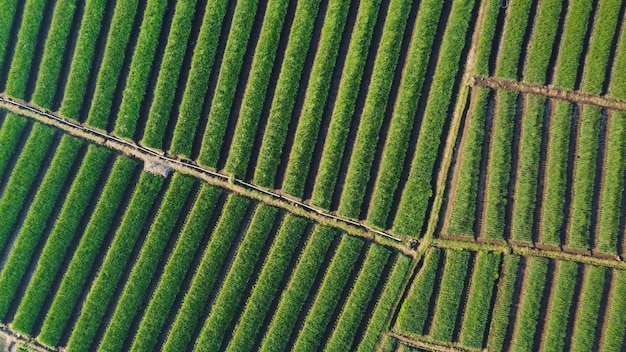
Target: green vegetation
column 517, row 17
column 542, row 41
column 62, row 235
column 80, row 266
column 10, row 132
column 485, row 38
column 35, row 222
column 7, row 19
column 203, row 282
column 529, row 305
column 616, row 323
column 588, row 309
column 557, row 320
column 114, row 264
column 504, row 299
column 175, row 270
column 299, row 288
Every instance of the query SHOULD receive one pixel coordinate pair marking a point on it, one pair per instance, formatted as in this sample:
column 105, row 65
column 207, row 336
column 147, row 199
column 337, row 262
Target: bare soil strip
column 427, row 344
column 574, row 96
column 211, row 177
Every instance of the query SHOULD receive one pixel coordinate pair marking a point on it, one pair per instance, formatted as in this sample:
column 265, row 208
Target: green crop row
column 553, row 206
column 82, row 262
column 512, row 38
column 599, row 48
column 384, row 304
column 169, row 72
column 414, row 310
column 80, row 67
column 227, row 81
column 198, row 79
column 114, row 264
column 616, row 323
column 345, row 102
column 247, row 331
column 557, row 320
column 285, row 93
column 401, row 125
column 572, row 41
column 53, row 53
column 360, row 296
column 499, row 165
column 295, row 294
column 367, row 136
column 61, row 237
column 7, row 18
column 111, row 67
column 36, row 220
column 452, row 287
column 530, row 304
column 178, row 264
column 502, row 308
column 584, row 177
column 144, row 268
column 613, row 185
column 25, row 48
column 542, row 40
column 10, row 133
column 256, row 88
column 140, row 67
column 206, row 275
column 463, row 214
column 588, row 314
column 230, row 295
column 418, row 189
column 479, row 296
column 485, row 45
column 315, row 98
column 617, row 87
column 327, row 298
column 523, row 218
column 22, row 177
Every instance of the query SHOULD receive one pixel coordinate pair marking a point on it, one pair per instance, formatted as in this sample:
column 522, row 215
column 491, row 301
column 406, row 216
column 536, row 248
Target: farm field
column 312, row 175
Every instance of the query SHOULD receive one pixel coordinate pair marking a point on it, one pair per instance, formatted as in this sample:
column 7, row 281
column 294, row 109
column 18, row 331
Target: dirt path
column 550, row 91
column 432, row 346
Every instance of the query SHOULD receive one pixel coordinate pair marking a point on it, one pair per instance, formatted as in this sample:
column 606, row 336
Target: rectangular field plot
column 98, row 254
column 477, row 300
column 342, row 104
column 540, row 172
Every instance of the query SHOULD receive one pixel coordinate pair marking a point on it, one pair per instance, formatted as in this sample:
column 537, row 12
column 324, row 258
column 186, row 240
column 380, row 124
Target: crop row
column 36, row 219
column 542, row 41
column 144, row 268
column 414, row 311
column 206, row 275
column 115, row 262
column 80, row 266
column 232, row 291
column 359, row 298
column 176, row 269
column 61, row 237
column 588, row 315
column 10, row 132
column 478, row 304
column 530, row 303
column 450, row 293
column 487, row 32
column 502, row 306
column 517, row 18
column 25, row 48
column 22, row 177
column 227, row 82
column 53, row 53
column 617, row 87
column 405, row 108
column 616, row 321
column 384, row 304
column 253, row 99
column 315, row 98
column 140, row 67
column 335, row 280
column 373, row 114
column 557, row 320
column 167, row 81
column 463, row 211
column 285, row 94
column 300, row 285
column 418, row 189
column 345, row 102
column 7, row 19
column 81, row 63
column 112, row 61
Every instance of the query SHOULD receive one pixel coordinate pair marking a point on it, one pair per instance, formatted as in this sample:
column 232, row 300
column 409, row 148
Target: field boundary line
column 550, row 91
column 230, row 183
column 411, row 341
column 13, row 338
